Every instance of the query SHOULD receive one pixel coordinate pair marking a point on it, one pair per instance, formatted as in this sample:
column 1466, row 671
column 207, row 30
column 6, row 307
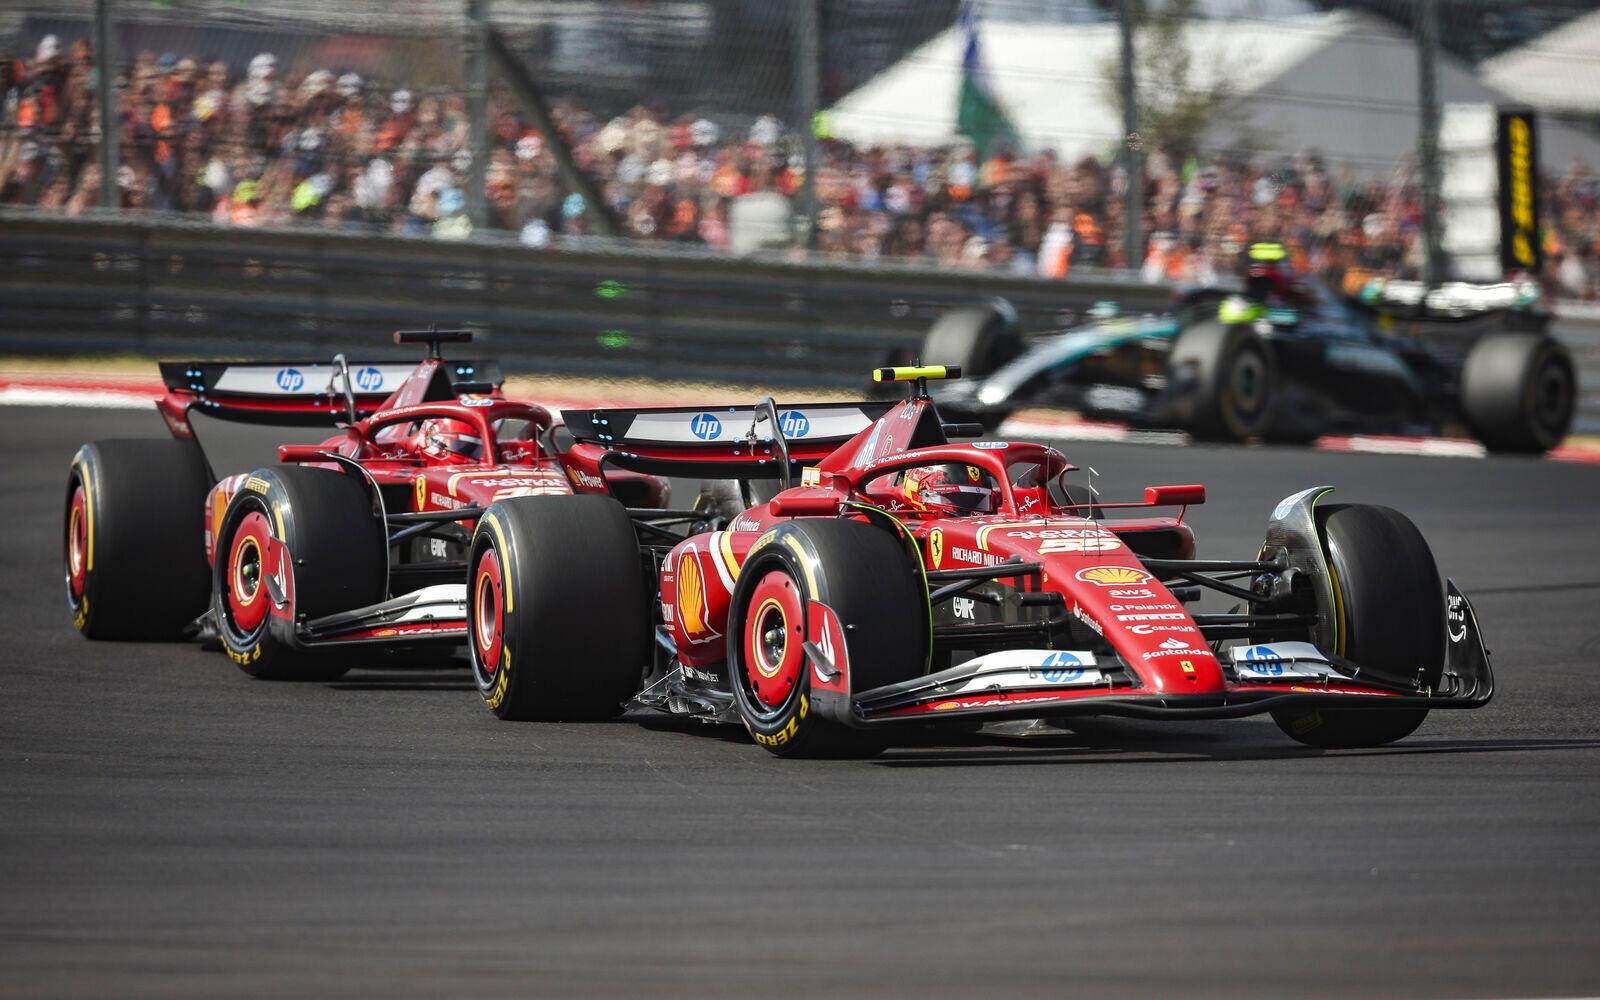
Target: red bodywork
column 516, row 457
column 1158, row 656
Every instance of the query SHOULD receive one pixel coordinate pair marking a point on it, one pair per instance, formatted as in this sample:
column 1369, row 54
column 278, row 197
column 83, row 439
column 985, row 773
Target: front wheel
column 1389, row 618
column 870, row 581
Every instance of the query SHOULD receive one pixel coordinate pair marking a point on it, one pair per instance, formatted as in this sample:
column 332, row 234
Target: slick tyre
column 1390, row 610
column 557, row 610
column 133, row 553
column 308, row 534
column 1232, row 379
column 1518, row 392
column 978, row 338
column 871, row 582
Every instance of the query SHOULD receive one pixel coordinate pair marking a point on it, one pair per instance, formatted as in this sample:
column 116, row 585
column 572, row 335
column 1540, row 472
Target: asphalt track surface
column 170, row 828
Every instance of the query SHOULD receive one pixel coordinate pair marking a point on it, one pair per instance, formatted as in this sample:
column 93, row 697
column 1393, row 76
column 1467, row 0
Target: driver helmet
column 951, row 488
column 451, row 440
column 1266, row 275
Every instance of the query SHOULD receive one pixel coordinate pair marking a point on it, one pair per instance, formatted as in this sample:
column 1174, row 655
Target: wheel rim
column 1552, row 399
column 1247, row 384
column 774, row 657
column 488, row 614
column 249, row 559
column 77, row 543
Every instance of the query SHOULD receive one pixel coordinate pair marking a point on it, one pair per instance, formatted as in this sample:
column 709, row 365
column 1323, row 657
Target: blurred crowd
column 258, row 145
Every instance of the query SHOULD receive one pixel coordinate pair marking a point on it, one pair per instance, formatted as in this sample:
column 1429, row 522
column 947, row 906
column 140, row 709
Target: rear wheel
column 311, row 533
column 869, row 580
column 543, row 573
column 1390, row 620
column 1518, row 392
column 134, row 556
column 1232, row 379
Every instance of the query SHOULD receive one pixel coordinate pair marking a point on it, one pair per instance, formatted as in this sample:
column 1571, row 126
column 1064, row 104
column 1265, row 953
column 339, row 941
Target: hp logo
column 290, row 379
column 1264, row 660
column 705, row 427
column 794, row 424
column 1061, row 667
column 369, row 379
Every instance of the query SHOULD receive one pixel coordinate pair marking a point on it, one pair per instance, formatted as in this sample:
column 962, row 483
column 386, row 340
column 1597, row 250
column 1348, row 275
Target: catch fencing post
column 806, row 53
column 476, row 72
column 110, row 120
column 1133, row 203
column 1428, row 140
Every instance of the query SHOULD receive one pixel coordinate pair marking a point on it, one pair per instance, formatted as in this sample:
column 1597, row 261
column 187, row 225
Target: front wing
column 1059, row 684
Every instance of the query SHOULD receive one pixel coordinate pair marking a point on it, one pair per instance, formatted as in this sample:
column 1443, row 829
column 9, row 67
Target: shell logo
column 936, row 547
column 691, row 595
column 1113, row 576
column 945, row 706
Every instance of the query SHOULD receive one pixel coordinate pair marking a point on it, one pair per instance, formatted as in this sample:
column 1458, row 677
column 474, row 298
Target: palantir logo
column 705, row 427
column 290, row 379
column 369, row 379
column 794, row 424
column 1061, row 667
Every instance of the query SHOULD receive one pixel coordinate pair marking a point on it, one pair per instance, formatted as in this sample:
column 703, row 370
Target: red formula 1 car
column 350, row 550
column 909, row 582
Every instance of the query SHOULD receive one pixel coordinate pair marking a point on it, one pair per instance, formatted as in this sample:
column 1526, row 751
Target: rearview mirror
column 1174, row 496
column 806, row 504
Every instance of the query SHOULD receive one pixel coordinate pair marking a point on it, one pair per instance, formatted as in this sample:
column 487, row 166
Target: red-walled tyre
column 870, row 581
column 558, row 620
column 133, row 552
column 316, row 524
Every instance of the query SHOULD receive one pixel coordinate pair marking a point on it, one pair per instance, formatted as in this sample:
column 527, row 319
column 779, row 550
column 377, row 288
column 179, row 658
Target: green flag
column 979, row 115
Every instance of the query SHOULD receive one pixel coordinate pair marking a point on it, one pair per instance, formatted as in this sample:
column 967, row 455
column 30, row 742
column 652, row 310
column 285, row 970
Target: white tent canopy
column 1342, row 82
column 1557, row 71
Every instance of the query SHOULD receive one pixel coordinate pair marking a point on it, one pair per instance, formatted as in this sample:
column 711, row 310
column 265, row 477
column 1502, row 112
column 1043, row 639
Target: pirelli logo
column 1517, row 150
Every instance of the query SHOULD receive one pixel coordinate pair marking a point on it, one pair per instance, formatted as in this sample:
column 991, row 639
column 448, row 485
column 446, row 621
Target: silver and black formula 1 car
column 1400, row 359
column 899, row 581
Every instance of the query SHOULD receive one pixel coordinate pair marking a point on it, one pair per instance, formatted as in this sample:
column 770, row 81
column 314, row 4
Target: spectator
column 331, row 147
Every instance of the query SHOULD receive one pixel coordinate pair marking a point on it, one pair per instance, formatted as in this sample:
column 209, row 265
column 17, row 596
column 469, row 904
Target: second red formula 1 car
column 348, row 551
column 906, row 581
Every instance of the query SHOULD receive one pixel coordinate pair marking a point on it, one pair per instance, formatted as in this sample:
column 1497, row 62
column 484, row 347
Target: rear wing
column 722, row 442
column 313, row 393
column 1451, row 301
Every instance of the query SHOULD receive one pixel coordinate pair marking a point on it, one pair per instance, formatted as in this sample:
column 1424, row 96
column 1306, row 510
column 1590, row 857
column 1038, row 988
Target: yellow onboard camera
column 913, row 373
